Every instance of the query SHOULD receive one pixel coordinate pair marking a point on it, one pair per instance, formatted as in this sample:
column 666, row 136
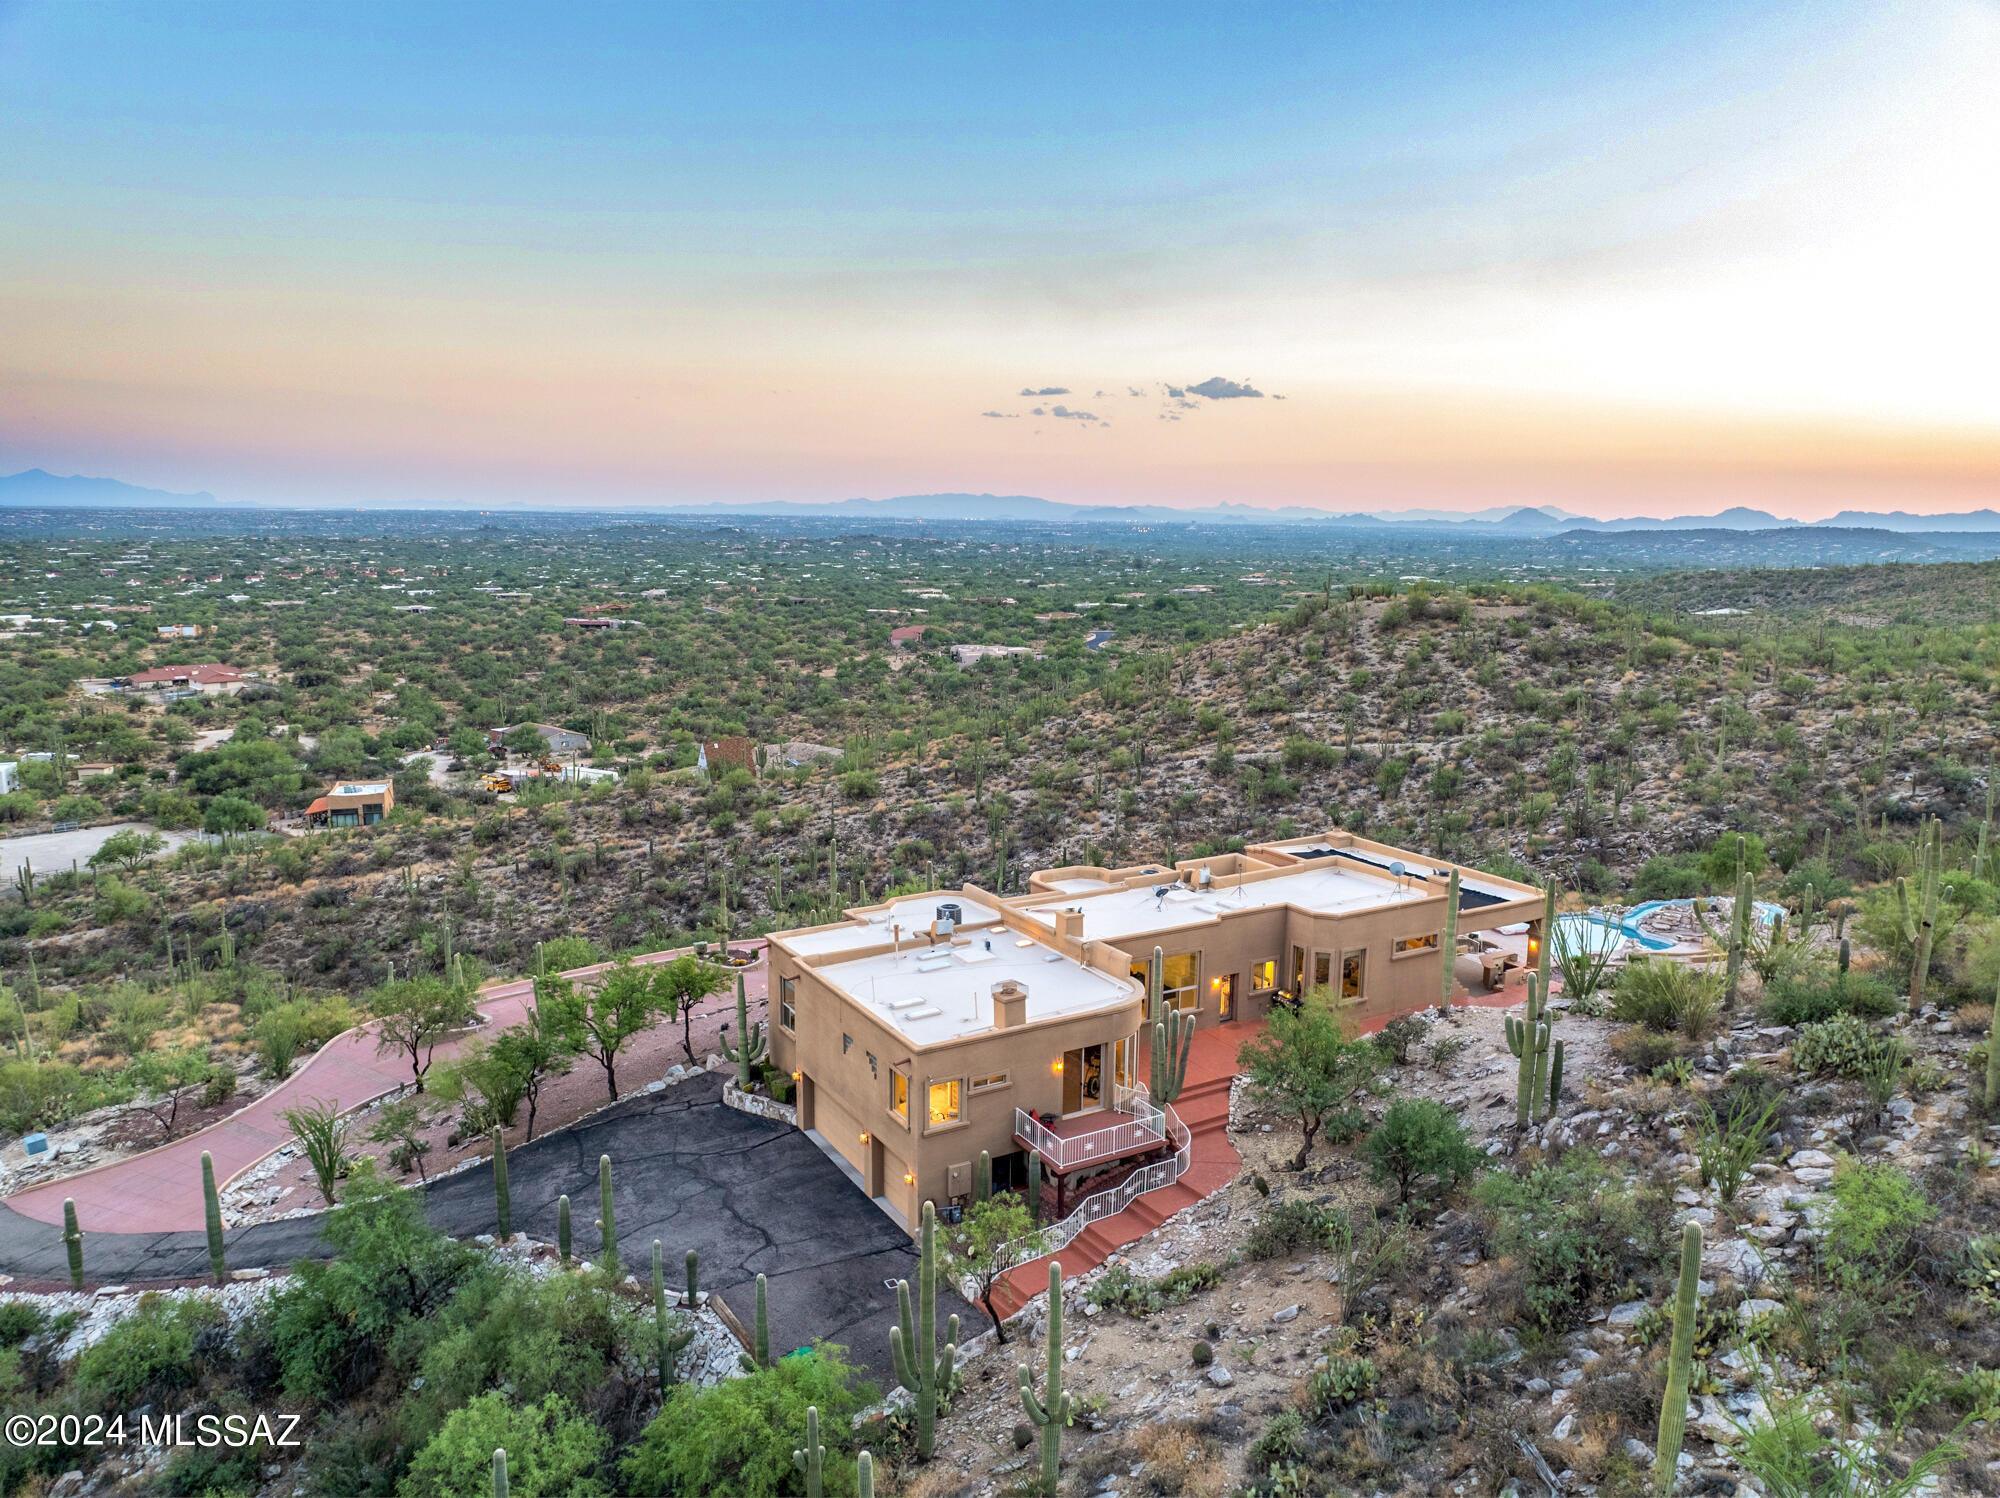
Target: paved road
column 49, row 852
column 748, row 1194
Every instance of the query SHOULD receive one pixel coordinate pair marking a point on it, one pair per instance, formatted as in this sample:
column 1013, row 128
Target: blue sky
column 621, row 254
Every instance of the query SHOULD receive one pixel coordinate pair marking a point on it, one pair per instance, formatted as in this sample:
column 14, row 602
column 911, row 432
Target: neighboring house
column 352, row 803
column 917, row 1029
column 177, row 631
column 558, row 740
column 211, row 678
column 726, row 754
column 586, row 775
column 908, row 637
column 10, row 776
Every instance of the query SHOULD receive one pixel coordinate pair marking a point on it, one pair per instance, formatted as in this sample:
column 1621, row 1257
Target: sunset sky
column 1626, row 259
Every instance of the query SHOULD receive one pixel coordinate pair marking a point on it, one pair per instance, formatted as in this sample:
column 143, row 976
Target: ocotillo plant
column 499, row 1472
column 812, row 1458
column 502, row 1203
column 1173, row 1034
column 1921, row 921
column 1450, row 942
column 1680, row 1360
column 759, row 1355
column 920, row 1367
column 749, row 1047
column 213, row 1205
column 562, row 1229
column 982, row 1177
column 607, row 1225
column 1156, row 982
column 73, row 1240
column 1529, row 1039
column 694, row 1287
column 672, row 1343
column 1051, row 1412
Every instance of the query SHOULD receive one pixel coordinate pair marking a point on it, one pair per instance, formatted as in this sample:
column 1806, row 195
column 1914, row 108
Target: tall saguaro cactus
column 1450, row 942
column 812, row 1459
column 1920, row 920
column 694, row 1278
column 562, row 1230
column 1982, row 853
column 749, row 1047
column 1173, row 1035
column 1156, row 982
column 864, row 1476
column 73, row 1241
column 982, row 1177
column 607, row 1225
column 502, row 1202
column 212, row 1204
column 672, row 1343
column 1034, row 1188
column 1051, row 1412
column 499, row 1472
column 1680, row 1362
column 920, row 1367
column 759, row 1355
column 1532, row 1040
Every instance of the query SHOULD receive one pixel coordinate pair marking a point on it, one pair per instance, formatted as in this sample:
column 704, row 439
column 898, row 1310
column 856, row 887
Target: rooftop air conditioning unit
column 951, row 911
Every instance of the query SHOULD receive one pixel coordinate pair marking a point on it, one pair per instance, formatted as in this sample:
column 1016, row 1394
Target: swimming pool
column 1598, row 933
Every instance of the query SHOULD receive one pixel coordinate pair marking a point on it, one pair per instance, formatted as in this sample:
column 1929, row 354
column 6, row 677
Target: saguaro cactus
column 1173, row 1035
column 811, row 1460
column 213, row 1205
column 982, row 1177
column 73, row 1240
column 1981, row 854
column 1993, row 1055
column 864, row 1476
column 1532, row 1040
column 1680, row 1361
column 1921, row 920
column 1034, row 1188
column 1449, row 942
column 607, row 1225
column 759, row 1355
column 920, row 1367
column 1052, row 1411
column 672, row 1343
column 1156, row 982
column 562, row 1229
column 499, row 1472
column 749, row 1047
column 694, row 1287
column 503, row 1204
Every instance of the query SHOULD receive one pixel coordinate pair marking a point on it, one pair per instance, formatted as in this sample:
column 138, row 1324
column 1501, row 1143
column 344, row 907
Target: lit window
column 1265, row 974
column 1353, row 974
column 788, row 993
column 987, row 1084
column 1417, row 943
column 899, row 1095
column 944, row 1102
column 1178, row 977
column 1322, row 969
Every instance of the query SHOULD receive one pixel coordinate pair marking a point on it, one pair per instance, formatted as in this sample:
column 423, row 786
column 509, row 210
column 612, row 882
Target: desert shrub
column 551, row 1451
column 1843, row 1046
column 1668, row 997
column 1669, row 876
column 1645, row 1050
column 1281, row 1441
column 19, row 1320
column 212, row 1472
column 1808, row 995
column 1421, row 1145
column 328, row 1328
column 739, row 1436
column 563, row 1335
column 1870, row 1232
column 149, row 1355
column 1118, row 1289
column 1345, row 1379
column 1576, row 1232
column 1396, row 1038
column 1286, row 1227
column 561, row 954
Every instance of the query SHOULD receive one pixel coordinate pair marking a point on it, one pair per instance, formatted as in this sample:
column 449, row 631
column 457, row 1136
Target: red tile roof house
column 210, row 678
column 908, row 635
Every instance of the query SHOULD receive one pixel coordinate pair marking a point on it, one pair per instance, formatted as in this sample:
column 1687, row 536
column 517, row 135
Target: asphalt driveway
column 749, row 1195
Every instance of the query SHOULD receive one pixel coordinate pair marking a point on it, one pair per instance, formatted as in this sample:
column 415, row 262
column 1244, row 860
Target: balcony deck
column 1130, row 1128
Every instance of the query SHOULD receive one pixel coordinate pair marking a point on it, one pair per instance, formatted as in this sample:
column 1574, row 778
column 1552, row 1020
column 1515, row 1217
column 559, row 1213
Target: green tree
column 414, row 1014
column 1307, row 1065
column 127, row 848
column 682, row 984
column 598, row 1018
column 232, row 814
column 997, row 1235
column 534, row 1051
column 551, row 1451
column 169, row 1077
column 1420, row 1141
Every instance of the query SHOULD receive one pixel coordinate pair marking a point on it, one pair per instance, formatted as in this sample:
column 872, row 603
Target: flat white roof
column 1080, row 886
column 1325, row 890
column 365, row 788
column 932, row 994
column 914, row 915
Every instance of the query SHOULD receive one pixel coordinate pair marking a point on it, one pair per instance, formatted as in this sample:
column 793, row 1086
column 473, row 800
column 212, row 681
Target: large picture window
column 899, row 1095
column 1264, row 975
column 1353, row 974
column 1178, row 988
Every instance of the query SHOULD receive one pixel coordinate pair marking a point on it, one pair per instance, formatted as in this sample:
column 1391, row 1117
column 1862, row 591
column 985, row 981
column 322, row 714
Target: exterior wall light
column 1058, row 1066
column 909, row 1179
column 864, row 1138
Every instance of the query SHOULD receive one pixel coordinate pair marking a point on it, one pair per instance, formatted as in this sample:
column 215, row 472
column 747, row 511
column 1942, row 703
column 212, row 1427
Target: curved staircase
column 1203, row 1107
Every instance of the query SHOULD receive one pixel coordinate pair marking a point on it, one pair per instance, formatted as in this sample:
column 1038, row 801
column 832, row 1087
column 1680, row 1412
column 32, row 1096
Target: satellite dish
column 1396, row 868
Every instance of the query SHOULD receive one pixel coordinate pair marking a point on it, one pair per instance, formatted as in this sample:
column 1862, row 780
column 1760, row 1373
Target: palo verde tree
column 598, row 1018
column 414, row 1014
column 1308, row 1065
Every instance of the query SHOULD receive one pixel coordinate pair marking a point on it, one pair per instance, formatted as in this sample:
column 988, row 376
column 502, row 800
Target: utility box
column 36, row 1144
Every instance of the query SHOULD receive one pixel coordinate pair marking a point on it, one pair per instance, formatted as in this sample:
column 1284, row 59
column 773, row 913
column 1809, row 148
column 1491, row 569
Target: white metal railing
column 1142, row 1126
column 1110, row 1202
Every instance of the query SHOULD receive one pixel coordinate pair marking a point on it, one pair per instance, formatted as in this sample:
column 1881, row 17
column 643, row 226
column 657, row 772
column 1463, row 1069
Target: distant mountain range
column 35, row 488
